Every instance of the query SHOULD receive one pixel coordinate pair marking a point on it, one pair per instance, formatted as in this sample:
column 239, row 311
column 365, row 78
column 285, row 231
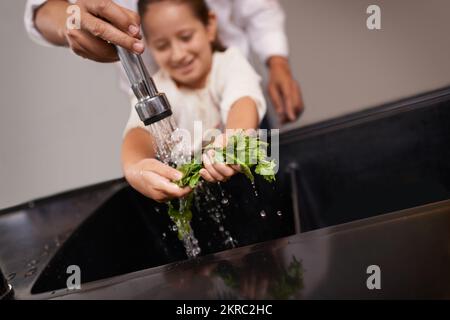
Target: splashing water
column 207, row 200
column 254, row 189
column 172, row 150
column 191, row 245
column 169, row 148
column 230, row 242
column 168, row 142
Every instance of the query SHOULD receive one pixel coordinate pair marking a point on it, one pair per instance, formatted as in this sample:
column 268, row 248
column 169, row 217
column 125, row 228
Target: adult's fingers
column 120, row 17
column 76, row 48
column 277, row 101
column 108, row 32
column 288, row 100
column 92, row 47
column 135, row 17
column 298, row 100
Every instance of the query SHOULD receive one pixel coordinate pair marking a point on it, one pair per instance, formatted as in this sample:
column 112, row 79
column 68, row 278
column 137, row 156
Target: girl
column 202, row 81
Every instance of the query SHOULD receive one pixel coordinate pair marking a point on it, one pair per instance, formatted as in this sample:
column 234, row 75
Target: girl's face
column 180, row 42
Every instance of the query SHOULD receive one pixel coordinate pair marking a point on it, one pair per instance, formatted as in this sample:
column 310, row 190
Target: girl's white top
column 231, row 78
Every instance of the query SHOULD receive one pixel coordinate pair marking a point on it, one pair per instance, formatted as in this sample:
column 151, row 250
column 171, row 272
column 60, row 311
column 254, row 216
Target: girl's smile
column 185, row 68
column 180, row 42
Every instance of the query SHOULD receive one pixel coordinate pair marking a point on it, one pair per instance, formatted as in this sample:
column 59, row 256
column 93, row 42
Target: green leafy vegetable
column 246, row 151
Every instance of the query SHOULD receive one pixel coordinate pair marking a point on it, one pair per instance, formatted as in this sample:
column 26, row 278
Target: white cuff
column 32, row 31
column 271, row 44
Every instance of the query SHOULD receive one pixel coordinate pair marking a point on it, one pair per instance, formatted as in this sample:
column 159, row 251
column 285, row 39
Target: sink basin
column 368, row 164
column 130, row 232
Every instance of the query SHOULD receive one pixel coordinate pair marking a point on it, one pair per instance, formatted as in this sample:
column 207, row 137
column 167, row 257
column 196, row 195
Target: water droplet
column 263, row 213
column 174, row 228
column 230, row 242
column 221, row 229
column 31, row 263
column 57, row 241
column 225, row 201
column 254, row 189
column 30, row 272
column 279, row 213
column 164, row 235
column 157, row 209
column 227, row 233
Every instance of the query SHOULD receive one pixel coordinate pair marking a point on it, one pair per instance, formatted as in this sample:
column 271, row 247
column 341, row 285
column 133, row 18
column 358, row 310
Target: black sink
column 367, row 164
column 383, row 160
column 130, row 232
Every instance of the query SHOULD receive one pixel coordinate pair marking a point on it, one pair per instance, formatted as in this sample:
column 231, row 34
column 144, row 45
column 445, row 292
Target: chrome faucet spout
column 152, row 105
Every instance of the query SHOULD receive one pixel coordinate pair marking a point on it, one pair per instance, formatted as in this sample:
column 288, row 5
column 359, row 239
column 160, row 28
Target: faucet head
column 153, row 109
column 152, row 105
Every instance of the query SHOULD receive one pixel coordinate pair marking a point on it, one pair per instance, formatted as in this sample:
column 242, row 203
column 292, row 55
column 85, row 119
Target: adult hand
column 284, row 90
column 154, row 179
column 102, row 24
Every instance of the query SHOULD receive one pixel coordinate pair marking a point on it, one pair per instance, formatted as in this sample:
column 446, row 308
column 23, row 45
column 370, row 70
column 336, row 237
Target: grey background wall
column 342, row 66
column 61, row 117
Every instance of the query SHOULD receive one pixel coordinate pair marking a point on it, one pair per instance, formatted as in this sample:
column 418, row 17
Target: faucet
column 152, row 105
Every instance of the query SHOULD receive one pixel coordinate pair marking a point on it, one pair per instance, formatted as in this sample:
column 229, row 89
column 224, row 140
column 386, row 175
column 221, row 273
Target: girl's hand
column 215, row 171
column 154, row 179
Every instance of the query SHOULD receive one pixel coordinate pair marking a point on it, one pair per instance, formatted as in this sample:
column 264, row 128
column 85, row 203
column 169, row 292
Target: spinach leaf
column 246, row 151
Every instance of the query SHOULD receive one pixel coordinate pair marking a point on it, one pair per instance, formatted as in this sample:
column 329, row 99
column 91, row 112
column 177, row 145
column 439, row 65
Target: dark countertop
column 411, row 247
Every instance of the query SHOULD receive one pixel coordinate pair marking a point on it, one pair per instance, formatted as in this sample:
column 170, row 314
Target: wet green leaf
column 246, row 151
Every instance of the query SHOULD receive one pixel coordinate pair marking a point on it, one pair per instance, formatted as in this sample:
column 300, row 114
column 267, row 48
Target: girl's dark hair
column 199, row 9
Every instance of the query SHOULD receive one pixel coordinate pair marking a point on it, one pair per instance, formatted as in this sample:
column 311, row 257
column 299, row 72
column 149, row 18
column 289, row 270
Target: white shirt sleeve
column 263, row 22
column 34, row 34
column 236, row 79
column 30, row 27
